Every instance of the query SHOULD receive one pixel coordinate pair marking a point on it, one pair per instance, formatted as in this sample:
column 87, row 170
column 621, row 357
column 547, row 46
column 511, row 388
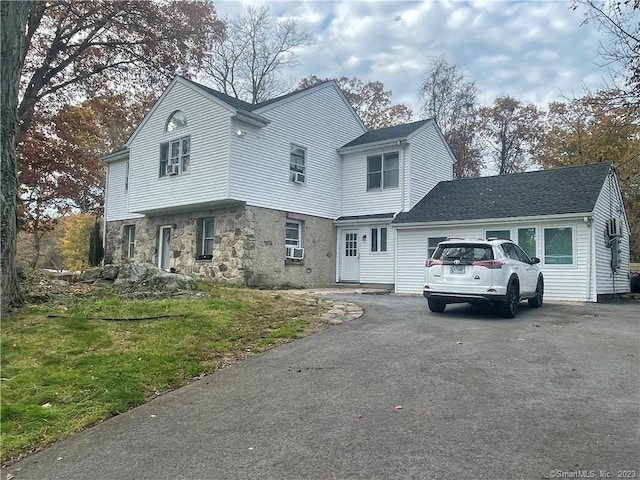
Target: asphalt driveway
column 398, row 393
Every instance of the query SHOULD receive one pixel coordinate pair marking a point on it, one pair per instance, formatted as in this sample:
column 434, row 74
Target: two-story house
column 296, row 192
column 292, row 191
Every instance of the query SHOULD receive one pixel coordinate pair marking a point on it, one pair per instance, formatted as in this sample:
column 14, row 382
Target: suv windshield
column 464, row 252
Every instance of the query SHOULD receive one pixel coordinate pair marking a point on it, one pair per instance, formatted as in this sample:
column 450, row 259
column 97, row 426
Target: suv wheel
column 436, row 305
column 536, row 301
column 510, row 306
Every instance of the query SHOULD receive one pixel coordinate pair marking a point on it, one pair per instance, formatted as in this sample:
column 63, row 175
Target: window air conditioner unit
column 295, row 253
column 614, row 227
column 173, row 169
column 297, row 177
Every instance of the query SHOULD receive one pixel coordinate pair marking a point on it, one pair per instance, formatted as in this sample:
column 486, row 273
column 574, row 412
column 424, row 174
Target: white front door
column 164, row 247
column 349, row 258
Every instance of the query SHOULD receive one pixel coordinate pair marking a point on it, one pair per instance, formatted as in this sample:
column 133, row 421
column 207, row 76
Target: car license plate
column 457, row 268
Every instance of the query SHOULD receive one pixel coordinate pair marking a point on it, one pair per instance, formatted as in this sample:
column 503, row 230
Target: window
column 126, row 176
column 379, row 239
column 558, row 246
column 177, row 120
column 500, row 234
column 293, row 233
column 514, row 252
column 204, row 238
column 527, row 241
column 130, row 239
column 175, row 156
column 383, row 171
column 297, row 164
column 432, row 244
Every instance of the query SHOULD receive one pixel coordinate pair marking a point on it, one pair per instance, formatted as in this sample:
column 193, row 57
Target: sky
column 535, row 51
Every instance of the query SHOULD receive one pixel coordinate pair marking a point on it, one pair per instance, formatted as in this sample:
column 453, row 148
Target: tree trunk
column 14, row 19
column 37, row 237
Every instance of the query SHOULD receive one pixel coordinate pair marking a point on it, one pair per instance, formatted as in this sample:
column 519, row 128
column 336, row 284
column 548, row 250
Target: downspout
column 589, row 222
column 406, row 177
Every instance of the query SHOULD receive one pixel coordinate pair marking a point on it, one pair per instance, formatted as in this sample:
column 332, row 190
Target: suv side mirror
column 535, row 260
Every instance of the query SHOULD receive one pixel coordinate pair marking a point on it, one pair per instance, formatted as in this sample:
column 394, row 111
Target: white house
column 296, row 192
column 292, row 191
column 572, row 218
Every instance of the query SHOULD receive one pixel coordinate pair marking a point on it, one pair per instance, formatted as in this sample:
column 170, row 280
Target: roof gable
column 166, row 92
column 544, row 192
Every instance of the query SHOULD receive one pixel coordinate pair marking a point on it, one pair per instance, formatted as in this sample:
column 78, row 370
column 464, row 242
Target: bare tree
column 620, row 21
column 451, row 99
column 248, row 63
column 511, row 131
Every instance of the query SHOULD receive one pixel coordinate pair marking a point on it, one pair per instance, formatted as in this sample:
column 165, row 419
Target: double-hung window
column 297, row 164
column 175, row 156
column 383, row 171
column 130, row 240
column 379, row 239
column 204, row 238
column 293, row 234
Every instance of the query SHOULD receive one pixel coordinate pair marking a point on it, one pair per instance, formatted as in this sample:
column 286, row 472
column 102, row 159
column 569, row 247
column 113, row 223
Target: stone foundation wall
column 248, row 246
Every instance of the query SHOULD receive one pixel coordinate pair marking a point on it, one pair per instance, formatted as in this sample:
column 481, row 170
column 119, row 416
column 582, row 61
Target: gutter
column 500, row 220
column 369, row 146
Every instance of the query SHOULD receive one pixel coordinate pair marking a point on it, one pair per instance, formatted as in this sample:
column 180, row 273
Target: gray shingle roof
column 241, row 104
column 389, row 133
column 545, row 192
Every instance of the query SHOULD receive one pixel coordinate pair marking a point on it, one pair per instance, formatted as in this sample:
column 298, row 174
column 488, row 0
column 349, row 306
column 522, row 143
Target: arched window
column 176, row 120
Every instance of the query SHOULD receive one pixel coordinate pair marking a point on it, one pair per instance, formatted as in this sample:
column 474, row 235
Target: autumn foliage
column 369, row 99
column 75, row 241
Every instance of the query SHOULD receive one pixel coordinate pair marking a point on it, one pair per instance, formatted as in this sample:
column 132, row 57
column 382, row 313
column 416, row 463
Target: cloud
column 534, row 51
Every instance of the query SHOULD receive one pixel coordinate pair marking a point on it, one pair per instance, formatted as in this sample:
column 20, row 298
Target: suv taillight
column 490, row 264
column 431, row 263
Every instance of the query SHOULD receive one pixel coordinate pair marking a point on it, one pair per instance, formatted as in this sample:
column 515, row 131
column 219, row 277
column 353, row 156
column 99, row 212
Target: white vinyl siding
column 431, row 163
column 562, row 282
column 116, row 195
column 208, row 129
column 422, row 164
column 609, row 205
column 356, row 198
column 375, row 267
column 260, row 160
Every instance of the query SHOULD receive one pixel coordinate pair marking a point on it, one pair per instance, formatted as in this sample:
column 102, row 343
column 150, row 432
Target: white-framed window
column 499, row 234
column 559, row 246
column 432, row 244
column 293, row 233
column 176, row 120
column 130, row 239
column 126, row 176
column 297, row 164
column 527, row 239
column 175, row 156
column 383, row 171
column 379, row 239
column 204, row 238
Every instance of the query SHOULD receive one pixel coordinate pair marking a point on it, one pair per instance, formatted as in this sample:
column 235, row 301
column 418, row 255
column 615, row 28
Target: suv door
column 527, row 273
column 531, row 270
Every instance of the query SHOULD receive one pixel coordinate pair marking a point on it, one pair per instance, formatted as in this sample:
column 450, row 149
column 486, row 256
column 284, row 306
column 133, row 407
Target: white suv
column 496, row 272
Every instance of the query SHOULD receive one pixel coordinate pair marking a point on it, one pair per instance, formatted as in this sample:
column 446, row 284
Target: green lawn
column 64, row 368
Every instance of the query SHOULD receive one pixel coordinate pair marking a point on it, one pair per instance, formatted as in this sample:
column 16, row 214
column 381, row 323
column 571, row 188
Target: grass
column 64, row 368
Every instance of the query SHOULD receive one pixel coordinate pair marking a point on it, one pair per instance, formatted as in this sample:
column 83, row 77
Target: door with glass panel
column 349, row 257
